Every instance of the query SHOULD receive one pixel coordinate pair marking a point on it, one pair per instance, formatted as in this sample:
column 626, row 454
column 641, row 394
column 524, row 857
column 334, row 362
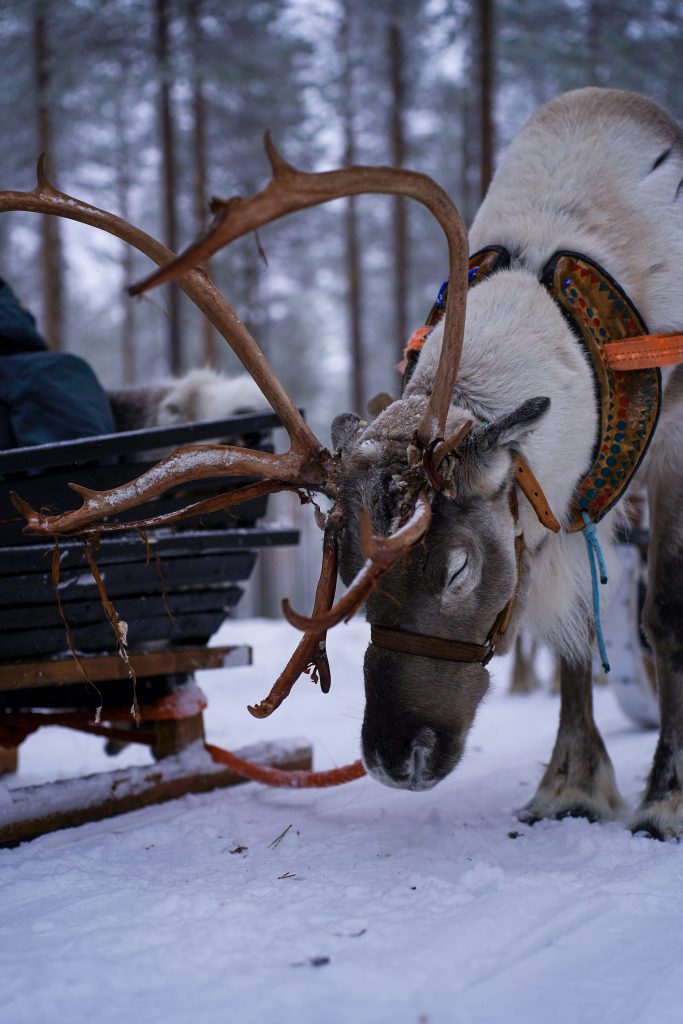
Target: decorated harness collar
column 601, row 316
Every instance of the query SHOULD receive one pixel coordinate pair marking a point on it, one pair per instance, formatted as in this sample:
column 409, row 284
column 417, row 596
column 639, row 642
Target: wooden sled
column 173, row 588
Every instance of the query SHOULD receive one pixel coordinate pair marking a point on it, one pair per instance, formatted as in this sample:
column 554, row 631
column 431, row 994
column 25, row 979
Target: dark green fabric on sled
column 44, row 396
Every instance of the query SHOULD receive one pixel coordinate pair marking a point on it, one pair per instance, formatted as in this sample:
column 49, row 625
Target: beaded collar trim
column 629, row 402
column 599, row 312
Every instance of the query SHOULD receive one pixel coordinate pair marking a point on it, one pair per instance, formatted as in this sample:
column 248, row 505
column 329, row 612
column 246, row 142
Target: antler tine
column 196, row 284
column 381, row 553
column 433, row 423
column 311, row 652
column 83, row 522
column 451, row 444
column 291, row 189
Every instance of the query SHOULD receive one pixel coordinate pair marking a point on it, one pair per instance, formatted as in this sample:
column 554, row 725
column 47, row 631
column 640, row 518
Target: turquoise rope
column 595, row 554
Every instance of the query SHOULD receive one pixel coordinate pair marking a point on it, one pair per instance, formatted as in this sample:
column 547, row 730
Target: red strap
column 415, row 344
column 644, row 352
column 288, row 779
column 417, row 339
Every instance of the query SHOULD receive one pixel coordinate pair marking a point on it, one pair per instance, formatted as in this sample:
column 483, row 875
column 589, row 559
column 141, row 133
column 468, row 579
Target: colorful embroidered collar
column 601, row 316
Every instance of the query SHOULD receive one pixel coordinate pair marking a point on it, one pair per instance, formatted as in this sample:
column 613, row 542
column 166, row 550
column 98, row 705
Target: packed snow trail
column 376, row 906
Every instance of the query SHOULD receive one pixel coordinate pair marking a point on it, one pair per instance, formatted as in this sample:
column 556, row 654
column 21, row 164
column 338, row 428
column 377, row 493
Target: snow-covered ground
column 375, row 906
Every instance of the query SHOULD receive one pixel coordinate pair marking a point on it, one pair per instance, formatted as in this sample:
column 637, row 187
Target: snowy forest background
column 149, row 107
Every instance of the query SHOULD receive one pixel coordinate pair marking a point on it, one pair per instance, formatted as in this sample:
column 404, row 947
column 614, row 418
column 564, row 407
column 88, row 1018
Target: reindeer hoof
column 536, row 811
column 662, row 820
column 578, row 811
column 593, row 796
column 647, row 830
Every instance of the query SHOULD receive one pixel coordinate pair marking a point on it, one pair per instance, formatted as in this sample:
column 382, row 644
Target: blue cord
column 595, row 553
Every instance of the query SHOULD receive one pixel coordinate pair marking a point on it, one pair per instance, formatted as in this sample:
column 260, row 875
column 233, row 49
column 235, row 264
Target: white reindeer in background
column 578, row 245
column 201, row 394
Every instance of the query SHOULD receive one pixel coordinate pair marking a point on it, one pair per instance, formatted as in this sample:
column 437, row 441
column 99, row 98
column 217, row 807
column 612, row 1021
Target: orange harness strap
column 644, row 352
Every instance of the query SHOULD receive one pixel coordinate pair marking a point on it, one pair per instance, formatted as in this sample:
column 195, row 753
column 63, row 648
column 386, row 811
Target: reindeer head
column 436, row 614
column 423, row 515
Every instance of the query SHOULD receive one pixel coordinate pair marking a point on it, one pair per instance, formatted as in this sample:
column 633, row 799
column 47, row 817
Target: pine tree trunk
column 354, row 277
column 595, row 71
column 51, row 252
column 199, row 116
column 484, row 9
column 467, row 144
column 123, row 187
column 168, row 178
column 468, row 168
column 397, row 133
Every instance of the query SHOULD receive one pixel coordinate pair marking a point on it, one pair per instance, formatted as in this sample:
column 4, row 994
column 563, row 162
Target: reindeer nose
column 416, row 761
column 419, row 767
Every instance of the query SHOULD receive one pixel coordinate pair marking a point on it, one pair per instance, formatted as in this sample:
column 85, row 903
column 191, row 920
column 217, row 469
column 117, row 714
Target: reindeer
column 439, row 524
column 200, row 394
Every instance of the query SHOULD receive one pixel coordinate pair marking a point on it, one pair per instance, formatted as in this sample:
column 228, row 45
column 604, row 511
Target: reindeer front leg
column 661, row 811
column 579, row 781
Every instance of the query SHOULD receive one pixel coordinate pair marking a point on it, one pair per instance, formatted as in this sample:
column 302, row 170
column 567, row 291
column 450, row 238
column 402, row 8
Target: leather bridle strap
column 427, row 646
column 533, row 492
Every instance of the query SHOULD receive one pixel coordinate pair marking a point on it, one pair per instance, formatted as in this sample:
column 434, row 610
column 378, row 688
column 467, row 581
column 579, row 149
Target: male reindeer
column 425, row 497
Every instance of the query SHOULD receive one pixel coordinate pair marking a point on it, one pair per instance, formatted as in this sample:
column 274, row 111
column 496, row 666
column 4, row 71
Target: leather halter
column 403, row 642
column 453, row 650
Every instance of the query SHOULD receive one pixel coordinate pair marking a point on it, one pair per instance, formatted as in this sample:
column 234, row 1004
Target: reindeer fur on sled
column 201, row 394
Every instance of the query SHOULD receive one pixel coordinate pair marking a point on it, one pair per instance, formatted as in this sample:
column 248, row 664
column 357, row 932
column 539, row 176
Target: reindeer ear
column 486, row 462
column 511, row 429
column 345, row 429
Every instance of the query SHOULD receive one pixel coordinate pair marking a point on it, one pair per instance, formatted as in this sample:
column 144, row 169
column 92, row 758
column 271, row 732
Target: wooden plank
column 9, row 760
column 129, row 546
column 174, row 735
column 129, row 578
column 112, row 693
column 99, row 636
column 73, row 453
column 20, row 675
column 46, row 616
column 35, row 810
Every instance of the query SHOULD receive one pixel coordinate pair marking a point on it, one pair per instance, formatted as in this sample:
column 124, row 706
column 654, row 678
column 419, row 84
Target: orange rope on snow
column 14, row 728
column 268, row 776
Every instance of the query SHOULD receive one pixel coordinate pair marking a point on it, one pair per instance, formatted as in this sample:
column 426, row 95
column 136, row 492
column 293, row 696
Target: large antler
column 291, row 189
column 307, row 465
column 383, row 552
